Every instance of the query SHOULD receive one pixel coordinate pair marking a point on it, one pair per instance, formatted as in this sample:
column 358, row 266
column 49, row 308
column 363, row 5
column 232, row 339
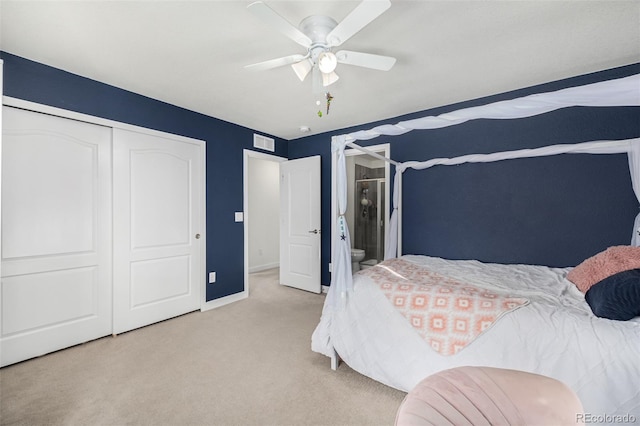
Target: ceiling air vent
column 264, row 142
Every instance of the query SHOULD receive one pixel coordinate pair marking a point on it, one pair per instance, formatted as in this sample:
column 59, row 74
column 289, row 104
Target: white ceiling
column 192, row 53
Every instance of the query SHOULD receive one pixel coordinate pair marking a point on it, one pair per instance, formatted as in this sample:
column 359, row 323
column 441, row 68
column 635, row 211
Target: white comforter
column 556, row 335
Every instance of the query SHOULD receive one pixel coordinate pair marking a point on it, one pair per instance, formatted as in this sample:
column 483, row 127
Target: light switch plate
column 239, row 216
column 212, row 277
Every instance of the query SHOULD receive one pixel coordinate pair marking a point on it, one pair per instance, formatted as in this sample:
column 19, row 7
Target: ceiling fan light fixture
column 302, row 68
column 327, row 62
column 330, row 78
column 319, row 34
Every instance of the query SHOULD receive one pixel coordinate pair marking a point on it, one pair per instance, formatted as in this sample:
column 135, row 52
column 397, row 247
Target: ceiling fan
column 320, row 35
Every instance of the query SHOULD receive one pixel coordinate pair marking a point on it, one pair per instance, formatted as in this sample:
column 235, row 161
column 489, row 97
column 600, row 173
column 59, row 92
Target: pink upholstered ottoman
column 489, row 396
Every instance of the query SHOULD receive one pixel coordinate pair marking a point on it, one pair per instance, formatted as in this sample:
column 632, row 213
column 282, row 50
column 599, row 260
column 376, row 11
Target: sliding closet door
column 158, row 222
column 56, row 234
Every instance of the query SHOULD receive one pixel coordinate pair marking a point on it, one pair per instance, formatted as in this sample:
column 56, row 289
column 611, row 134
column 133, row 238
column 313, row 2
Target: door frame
column 46, row 109
column 246, row 155
column 352, row 152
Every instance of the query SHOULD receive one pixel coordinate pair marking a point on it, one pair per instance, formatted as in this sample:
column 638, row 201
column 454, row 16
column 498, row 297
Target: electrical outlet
column 212, row 277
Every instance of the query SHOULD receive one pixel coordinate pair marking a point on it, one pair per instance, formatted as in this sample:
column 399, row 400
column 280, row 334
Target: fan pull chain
column 329, row 98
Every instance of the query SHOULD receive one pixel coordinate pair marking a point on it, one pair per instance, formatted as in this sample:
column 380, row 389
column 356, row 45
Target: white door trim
column 334, row 202
column 246, row 154
column 46, row 109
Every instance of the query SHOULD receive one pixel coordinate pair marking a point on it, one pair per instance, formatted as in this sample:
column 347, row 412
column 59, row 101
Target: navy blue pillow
column 616, row 297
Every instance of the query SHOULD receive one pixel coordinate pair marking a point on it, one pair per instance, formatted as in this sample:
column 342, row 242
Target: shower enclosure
column 369, row 218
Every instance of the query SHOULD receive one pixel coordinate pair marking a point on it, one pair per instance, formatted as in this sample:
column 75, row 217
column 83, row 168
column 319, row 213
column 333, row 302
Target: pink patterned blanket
column 447, row 313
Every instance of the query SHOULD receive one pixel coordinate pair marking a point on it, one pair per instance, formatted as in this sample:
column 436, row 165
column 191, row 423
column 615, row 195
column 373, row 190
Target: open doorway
column 368, row 204
column 261, row 213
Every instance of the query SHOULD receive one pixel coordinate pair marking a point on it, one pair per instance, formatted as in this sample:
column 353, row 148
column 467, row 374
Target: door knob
column 197, row 236
column 315, row 231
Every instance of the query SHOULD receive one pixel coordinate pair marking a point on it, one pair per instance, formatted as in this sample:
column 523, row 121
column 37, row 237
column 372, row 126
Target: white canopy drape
column 341, row 254
column 619, row 92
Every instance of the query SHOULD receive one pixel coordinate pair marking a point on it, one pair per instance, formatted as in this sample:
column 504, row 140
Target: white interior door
column 158, row 226
column 56, row 234
column 300, row 234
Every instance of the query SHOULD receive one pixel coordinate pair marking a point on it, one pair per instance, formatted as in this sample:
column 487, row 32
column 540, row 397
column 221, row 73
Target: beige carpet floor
column 248, row 363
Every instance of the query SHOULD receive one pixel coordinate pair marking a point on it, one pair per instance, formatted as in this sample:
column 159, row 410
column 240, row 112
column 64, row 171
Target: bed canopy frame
column 618, row 92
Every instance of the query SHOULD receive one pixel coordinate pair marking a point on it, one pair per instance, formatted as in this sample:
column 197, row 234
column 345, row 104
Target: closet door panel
column 158, row 219
column 77, row 287
column 56, row 233
column 157, row 280
column 160, row 185
column 53, row 208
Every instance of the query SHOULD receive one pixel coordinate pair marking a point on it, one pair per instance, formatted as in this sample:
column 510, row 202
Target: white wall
column 264, row 214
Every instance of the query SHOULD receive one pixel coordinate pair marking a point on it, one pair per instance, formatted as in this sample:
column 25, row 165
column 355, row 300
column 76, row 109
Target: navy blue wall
column 225, row 142
column 553, row 211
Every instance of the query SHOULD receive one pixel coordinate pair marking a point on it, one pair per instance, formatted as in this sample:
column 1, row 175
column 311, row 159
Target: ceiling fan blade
column 367, row 60
column 274, row 63
column 268, row 15
column 363, row 14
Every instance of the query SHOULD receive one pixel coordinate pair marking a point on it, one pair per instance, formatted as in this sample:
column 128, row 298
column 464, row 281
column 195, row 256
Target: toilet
column 368, row 263
column 356, row 256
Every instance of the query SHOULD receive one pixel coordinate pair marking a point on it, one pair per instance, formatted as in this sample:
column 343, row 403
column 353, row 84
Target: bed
column 545, row 326
column 554, row 334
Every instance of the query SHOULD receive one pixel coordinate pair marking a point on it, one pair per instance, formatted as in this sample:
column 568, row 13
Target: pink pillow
column 604, row 264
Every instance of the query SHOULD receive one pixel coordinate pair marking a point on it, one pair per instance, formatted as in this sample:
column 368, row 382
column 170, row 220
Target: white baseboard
column 216, row 303
column 264, row 267
column 325, row 288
